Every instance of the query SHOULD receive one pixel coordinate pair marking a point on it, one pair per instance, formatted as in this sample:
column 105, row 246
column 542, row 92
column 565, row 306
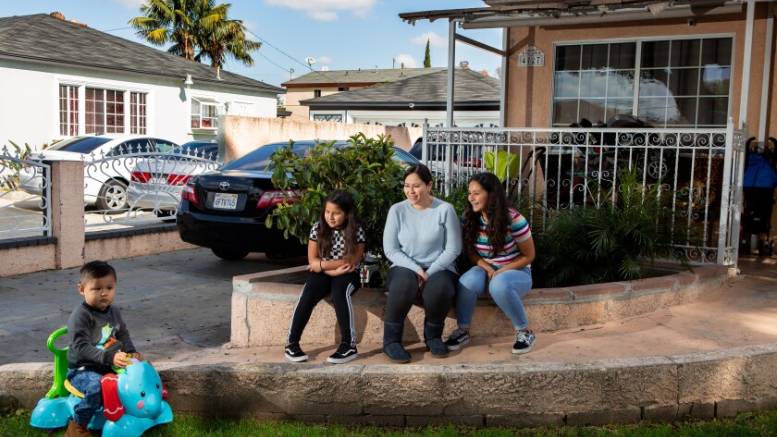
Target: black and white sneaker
column 524, row 340
column 344, row 353
column 458, row 338
column 295, row 353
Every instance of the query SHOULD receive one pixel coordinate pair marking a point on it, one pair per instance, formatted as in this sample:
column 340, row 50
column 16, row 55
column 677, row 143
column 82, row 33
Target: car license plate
column 225, row 201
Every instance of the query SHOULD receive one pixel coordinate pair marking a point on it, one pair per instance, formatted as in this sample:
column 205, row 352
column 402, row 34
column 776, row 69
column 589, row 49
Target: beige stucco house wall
column 529, row 90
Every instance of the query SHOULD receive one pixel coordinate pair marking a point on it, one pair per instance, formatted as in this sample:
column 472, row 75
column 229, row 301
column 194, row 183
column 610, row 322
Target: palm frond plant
column 618, row 241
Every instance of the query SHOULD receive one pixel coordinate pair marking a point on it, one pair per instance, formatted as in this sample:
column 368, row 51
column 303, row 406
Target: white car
column 156, row 183
column 108, row 163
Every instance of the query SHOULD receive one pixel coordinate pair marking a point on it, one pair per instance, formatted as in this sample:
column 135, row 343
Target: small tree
column 365, row 169
column 427, row 56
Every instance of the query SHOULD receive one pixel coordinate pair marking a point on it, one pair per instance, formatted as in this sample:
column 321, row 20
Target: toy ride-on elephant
column 133, row 398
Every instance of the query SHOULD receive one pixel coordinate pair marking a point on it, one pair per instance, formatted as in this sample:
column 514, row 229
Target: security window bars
column 104, row 111
column 68, row 110
column 328, row 117
column 667, row 83
column 138, row 113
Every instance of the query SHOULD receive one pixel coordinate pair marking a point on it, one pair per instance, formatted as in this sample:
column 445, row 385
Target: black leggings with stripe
column 317, row 287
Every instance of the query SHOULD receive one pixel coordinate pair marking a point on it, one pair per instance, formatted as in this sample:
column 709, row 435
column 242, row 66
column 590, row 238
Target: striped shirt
column 518, row 233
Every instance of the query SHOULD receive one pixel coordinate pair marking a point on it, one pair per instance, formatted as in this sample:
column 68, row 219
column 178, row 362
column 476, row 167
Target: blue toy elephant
column 133, row 399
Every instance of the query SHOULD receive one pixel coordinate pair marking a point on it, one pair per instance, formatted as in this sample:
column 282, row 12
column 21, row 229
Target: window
column 316, row 93
column 204, row 114
column 104, row 111
column 674, row 83
column 68, row 110
column 328, row 117
column 342, row 88
column 138, row 113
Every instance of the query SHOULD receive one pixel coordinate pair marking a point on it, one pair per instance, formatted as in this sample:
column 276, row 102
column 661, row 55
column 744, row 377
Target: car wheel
column 229, row 254
column 113, row 196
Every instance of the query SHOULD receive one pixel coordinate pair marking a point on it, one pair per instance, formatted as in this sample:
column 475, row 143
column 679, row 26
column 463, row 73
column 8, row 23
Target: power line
column 117, row 29
column 304, row 64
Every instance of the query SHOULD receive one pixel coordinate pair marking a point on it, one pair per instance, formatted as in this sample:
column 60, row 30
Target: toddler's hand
column 121, row 359
column 137, row 356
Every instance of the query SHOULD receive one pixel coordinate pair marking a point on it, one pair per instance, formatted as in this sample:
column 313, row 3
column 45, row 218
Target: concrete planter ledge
column 262, row 305
column 661, row 388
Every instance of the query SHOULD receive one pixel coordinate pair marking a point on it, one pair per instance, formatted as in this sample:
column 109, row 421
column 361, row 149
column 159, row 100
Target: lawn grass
column 760, row 424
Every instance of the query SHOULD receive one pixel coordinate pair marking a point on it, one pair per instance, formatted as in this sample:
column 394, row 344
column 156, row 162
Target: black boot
column 433, row 339
column 392, row 342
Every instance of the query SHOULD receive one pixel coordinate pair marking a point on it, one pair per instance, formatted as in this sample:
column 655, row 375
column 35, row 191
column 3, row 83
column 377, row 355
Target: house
column 413, row 101
column 60, row 79
column 700, row 75
column 672, row 64
column 323, row 83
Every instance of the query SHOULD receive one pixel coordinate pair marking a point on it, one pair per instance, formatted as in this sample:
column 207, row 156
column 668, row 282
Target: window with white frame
column 138, row 113
column 104, row 111
column 68, row 110
column 204, row 114
column 671, row 83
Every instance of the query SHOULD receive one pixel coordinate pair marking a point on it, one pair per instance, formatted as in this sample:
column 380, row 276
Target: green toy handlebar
column 60, row 365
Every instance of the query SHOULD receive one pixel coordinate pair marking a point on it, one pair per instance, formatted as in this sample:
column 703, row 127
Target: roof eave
column 35, row 59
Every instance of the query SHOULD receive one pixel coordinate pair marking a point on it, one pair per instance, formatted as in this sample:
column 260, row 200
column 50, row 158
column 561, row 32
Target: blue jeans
column 506, row 289
column 88, row 383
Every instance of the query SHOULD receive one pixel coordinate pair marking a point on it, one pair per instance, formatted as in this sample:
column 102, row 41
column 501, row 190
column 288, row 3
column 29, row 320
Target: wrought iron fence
column 697, row 172
column 138, row 185
column 25, row 193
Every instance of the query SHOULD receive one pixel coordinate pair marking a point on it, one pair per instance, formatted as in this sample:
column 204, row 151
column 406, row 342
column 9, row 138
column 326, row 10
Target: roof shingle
column 41, row 37
column 366, row 76
column 427, row 91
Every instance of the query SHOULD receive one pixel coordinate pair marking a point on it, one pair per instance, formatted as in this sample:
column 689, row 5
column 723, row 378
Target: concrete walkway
column 172, row 302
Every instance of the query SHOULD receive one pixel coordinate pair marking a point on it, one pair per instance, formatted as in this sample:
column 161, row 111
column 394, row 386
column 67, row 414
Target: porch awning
column 510, row 13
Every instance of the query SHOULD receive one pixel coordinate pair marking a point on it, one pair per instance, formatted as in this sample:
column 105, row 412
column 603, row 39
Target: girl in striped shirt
column 497, row 239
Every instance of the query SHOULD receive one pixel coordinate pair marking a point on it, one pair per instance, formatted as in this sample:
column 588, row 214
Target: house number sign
column 531, row 56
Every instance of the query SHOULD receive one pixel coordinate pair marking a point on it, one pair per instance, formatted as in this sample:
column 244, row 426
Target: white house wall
column 29, row 112
column 410, row 117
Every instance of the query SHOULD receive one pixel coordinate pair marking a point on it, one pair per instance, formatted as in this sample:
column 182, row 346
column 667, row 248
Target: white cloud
column 406, row 60
column 324, row 10
column 324, row 60
column 435, row 40
column 134, row 4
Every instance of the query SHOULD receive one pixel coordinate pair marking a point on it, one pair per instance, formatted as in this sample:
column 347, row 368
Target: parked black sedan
column 225, row 210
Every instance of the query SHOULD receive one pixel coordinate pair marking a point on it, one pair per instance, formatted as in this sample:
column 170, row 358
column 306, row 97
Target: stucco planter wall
column 263, row 303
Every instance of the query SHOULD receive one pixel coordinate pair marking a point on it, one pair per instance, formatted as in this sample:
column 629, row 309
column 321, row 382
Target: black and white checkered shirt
column 338, row 241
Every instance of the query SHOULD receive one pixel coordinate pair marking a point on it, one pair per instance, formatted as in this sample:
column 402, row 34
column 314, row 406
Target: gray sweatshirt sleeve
column 452, row 242
column 123, row 334
column 391, row 246
column 81, row 350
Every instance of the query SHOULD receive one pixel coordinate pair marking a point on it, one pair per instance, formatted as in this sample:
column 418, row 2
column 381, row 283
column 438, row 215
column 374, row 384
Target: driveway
column 171, row 302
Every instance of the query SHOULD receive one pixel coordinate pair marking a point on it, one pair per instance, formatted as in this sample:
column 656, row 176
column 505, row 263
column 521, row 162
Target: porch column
column 451, row 70
column 746, row 61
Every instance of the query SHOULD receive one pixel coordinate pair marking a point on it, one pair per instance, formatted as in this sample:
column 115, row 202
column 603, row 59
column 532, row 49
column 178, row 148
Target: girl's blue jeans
column 507, row 289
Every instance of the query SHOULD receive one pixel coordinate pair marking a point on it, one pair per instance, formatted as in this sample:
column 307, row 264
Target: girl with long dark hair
column 335, row 249
column 497, row 240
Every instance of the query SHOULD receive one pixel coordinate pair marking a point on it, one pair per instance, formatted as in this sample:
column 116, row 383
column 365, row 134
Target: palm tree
column 219, row 38
column 195, row 26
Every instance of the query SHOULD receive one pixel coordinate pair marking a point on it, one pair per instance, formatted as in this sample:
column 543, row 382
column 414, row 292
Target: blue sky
column 340, row 34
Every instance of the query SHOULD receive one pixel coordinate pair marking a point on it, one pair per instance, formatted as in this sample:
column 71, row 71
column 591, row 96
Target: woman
column 498, row 241
column 422, row 239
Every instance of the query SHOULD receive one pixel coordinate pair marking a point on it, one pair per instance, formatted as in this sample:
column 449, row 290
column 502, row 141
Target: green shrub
column 609, row 243
column 366, row 169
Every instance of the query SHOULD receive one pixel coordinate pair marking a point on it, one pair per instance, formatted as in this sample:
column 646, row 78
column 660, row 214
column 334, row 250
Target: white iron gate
column 699, row 170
